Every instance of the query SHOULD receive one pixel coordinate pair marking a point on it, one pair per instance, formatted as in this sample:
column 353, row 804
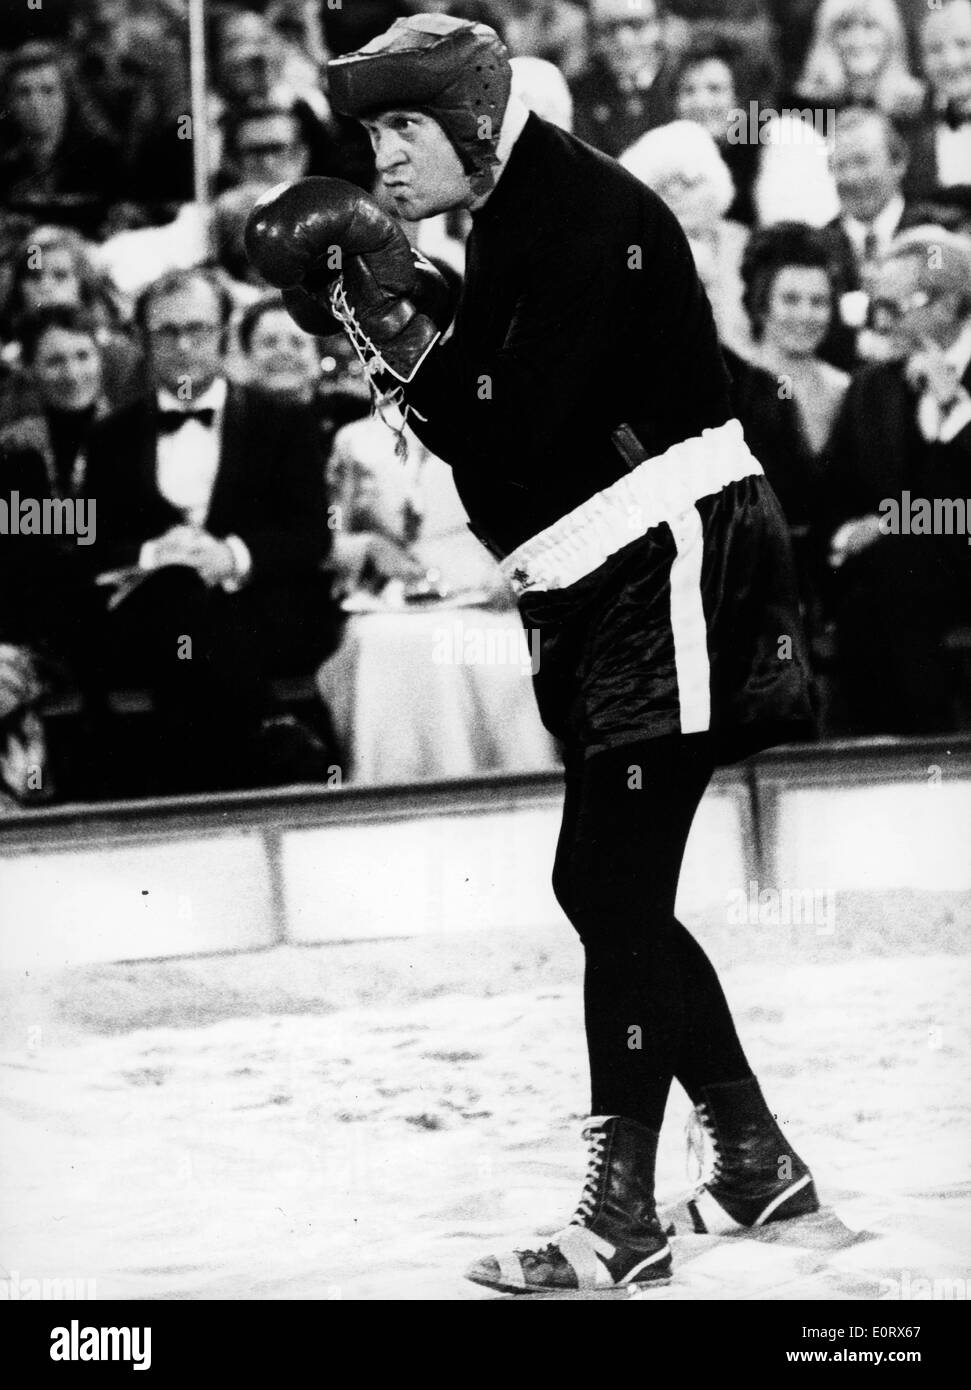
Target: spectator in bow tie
column 941, row 161
column 212, row 519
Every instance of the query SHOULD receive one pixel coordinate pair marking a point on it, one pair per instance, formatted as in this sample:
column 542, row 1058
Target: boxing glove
column 302, row 236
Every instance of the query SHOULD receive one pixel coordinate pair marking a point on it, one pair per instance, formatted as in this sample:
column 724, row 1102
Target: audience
column 787, row 396
column 681, row 162
column 903, row 436
column 54, row 266
column 220, row 533
column 282, row 361
column 707, row 91
column 626, row 87
column 58, row 162
column 858, row 57
column 869, row 160
column 211, row 540
column 940, row 166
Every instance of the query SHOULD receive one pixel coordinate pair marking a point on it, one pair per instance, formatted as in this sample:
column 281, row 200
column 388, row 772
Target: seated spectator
column 903, row 441
column 869, row 159
column 681, row 162
column 787, row 397
column 791, row 292
column 134, row 68
column 626, row 88
column 47, row 607
column 58, row 163
column 858, row 57
column 707, row 91
column 212, row 531
column 53, row 266
column 411, row 696
column 265, row 146
column 940, row 166
column 280, row 360
column 61, row 358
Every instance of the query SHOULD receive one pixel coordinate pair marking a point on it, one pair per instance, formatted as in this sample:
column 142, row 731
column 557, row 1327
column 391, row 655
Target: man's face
column 629, row 37
column 67, row 370
column 184, row 331
column 946, row 49
column 53, row 280
column 270, row 151
column 866, row 175
column 417, row 164
column 38, row 102
column 906, row 314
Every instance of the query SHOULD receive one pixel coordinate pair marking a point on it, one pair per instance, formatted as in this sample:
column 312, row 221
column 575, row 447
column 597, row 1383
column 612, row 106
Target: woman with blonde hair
column 858, row 57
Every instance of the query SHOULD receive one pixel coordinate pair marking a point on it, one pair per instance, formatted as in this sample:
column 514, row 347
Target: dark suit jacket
column 877, row 452
column 269, row 488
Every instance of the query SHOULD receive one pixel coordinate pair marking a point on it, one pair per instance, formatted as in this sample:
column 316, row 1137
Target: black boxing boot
column 756, row 1175
column 613, row 1239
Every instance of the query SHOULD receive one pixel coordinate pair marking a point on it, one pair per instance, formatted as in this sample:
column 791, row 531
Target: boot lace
column 703, row 1155
column 586, row 1206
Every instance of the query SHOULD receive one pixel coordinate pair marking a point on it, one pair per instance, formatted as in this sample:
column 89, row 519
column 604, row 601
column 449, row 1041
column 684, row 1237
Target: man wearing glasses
column 211, row 534
column 902, row 439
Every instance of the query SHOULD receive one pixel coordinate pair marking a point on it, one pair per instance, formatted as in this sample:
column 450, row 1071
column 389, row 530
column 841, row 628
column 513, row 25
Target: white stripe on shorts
column 688, row 626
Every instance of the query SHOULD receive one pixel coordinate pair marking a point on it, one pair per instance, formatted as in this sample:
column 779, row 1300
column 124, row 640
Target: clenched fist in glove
column 340, row 260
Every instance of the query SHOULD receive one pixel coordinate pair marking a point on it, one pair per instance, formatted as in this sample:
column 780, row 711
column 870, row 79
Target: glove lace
column 369, row 355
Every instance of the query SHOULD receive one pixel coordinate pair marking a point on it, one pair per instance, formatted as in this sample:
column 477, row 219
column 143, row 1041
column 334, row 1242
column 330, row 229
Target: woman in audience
column 681, row 162
column 858, row 57
column 54, row 266
column 62, row 362
column 709, row 88
column 786, row 396
column 282, row 360
column 432, row 677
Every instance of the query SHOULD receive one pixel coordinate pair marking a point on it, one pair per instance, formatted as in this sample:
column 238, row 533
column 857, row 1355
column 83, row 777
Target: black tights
column 653, row 1003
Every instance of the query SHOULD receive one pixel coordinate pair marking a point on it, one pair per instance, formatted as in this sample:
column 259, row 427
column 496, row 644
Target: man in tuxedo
column 212, row 527
column 903, row 438
column 940, row 166
column 868, row 158
column 628, row 86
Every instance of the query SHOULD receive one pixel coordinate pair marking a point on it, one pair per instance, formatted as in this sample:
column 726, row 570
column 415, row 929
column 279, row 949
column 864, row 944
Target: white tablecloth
column 425, row 694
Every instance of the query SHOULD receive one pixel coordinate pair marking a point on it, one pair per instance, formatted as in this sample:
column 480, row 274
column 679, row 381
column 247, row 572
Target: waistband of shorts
column 659, row 490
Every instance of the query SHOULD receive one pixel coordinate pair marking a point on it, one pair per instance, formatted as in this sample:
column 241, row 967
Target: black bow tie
column 171, row 420
column 955, row 118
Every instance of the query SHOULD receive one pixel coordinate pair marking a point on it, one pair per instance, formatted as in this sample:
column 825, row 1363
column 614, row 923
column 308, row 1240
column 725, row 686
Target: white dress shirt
column 936, row 426
column 953, row 151
column 186, row 465
column 884, row 228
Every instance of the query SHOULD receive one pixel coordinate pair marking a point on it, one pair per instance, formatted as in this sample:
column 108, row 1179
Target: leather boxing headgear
column 455, row 71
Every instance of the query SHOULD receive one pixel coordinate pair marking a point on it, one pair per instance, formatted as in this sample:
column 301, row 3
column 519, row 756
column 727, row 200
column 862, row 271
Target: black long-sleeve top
column 581, row 310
